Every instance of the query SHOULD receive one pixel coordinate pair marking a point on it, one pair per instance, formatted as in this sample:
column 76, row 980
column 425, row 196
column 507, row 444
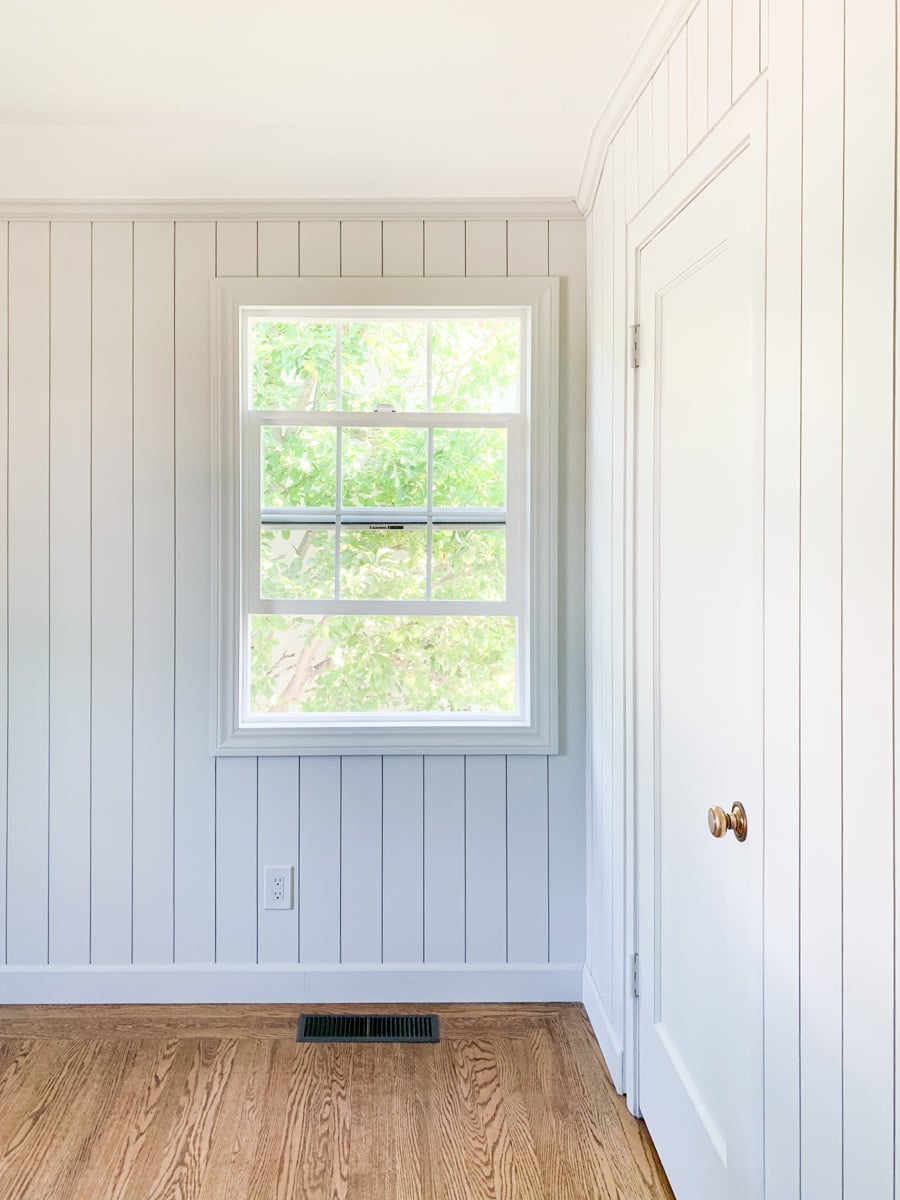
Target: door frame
column 742, row 130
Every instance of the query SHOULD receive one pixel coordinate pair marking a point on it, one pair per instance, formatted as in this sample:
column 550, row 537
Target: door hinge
column 635, row 977
column 635, row 345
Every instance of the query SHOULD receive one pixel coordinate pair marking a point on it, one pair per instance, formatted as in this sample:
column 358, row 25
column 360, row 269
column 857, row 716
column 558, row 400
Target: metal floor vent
column 353, row 1027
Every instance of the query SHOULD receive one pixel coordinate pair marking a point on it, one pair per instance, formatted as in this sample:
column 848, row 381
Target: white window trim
column 537, row 732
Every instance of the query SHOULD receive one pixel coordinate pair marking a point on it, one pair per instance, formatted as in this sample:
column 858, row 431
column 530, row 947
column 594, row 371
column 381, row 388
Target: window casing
column 261, row 595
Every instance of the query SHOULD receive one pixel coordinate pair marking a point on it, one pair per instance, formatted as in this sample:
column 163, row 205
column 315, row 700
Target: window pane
column 383, row 564
column 293, row 364
column 382, row 664
column 385, row 467
column 469, row 468
column 468, row 564
column 297, row 564
column 475, row 365
column 299, row 466
column 383, row 362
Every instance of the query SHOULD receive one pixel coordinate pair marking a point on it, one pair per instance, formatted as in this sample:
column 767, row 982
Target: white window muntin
column 511, row 517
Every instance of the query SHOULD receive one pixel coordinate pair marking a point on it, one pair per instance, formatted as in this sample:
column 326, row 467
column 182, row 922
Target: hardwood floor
column 220, row 1103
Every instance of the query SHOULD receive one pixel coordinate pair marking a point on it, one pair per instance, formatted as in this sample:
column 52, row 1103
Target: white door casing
column 698, row 680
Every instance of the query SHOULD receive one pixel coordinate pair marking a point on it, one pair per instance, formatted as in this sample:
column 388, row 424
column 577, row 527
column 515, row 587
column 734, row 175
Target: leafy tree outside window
column 381, row 564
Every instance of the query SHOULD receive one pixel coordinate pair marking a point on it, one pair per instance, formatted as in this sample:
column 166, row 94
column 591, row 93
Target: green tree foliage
column 379, row 663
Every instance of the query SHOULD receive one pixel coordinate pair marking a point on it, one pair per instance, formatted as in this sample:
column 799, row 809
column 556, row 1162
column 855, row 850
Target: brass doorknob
column 720, row 821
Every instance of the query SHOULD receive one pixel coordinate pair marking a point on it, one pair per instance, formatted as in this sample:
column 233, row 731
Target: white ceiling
column 372, row 99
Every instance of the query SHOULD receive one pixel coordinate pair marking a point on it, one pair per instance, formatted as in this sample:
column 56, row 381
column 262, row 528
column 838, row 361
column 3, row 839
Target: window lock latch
column 385, row 408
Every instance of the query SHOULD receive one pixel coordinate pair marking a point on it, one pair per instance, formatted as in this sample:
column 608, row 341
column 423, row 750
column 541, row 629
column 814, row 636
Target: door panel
column 699, row 717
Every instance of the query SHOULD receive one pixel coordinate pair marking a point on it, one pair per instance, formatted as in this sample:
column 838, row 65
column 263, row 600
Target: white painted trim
column 252, row 983
column 559, row 208
column 665, row 25
column 536, row 730
column 609, row 1043
column 743, row 126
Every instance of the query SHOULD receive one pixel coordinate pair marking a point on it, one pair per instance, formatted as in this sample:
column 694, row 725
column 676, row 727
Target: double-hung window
column 386, row 569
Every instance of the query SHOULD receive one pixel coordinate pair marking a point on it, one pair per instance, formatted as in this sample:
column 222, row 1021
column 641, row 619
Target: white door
column 699, row 412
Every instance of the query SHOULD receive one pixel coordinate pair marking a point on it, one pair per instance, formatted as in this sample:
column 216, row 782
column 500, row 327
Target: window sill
column 513, row 738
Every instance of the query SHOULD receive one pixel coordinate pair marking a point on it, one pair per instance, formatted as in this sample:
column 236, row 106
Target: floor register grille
column 359, row 1027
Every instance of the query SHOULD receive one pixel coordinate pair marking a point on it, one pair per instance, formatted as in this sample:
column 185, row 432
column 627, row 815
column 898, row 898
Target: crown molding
column 555, row 207
column 665, row 25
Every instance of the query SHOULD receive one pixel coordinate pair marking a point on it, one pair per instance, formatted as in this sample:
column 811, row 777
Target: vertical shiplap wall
column 125, row 842
column 830, row 555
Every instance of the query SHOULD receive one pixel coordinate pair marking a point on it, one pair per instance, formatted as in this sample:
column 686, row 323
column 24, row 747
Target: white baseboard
column 250, row 983
column 609, row 1042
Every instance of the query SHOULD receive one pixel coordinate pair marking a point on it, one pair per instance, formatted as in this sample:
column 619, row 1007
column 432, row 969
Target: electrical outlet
column 279, row 887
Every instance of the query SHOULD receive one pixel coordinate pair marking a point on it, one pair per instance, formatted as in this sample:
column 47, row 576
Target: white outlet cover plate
column 278, row 887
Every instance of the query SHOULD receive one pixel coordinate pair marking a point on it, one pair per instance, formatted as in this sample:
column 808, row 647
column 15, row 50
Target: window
column 385, row 506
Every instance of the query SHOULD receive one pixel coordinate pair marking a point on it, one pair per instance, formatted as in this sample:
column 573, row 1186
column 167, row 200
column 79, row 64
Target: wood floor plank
column 373, row 1111
column 514, row 1070
column 182, row 1169
column 228, row 1176
column 34, row 1117
column 547, row 1098
column 204, row 1102
column 109, row 1069
column 16, row 1058
column 110, row 1168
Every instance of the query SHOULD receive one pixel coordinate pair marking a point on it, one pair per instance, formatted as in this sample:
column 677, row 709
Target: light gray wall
column 126, row 843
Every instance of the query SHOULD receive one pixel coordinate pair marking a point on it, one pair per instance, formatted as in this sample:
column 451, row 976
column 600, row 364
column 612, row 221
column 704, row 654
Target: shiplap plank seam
column 28, row 614
column 278, row 248
column 237, row 825
column 361, row 248
column 719, row 59
column 645, row 145
column 678, row 101
column 660, row 99
column 112, row 592
column 486, row 248
column 486, row 868
column 154, row 590
column 4, row 560
column 697, row 75
column 617, row 823
column 320, row 248
column 445, row 248
column 867, row 634
column 445, row 859
column 69, row 850
column 745, row 53
column 319, row 856
column 278, row 833
column 782, row 611
column 236, row 248
column 403, row 248
column 362, row 839
column 820, row 610
column 194, row 805
column 402, row 858
column 527, row 848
